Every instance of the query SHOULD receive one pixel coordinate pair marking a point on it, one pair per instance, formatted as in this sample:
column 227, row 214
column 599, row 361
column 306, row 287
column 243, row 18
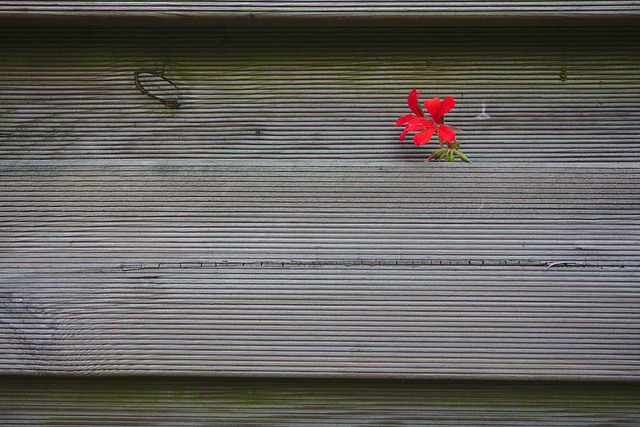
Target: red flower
column 417, row 120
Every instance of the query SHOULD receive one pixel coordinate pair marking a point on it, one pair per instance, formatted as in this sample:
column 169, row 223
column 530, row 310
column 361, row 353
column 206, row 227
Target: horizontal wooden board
column 137, row 401
column 530, row 95
column 408, row 322
column 230, row 268
column 307, row 212
column 261, row 13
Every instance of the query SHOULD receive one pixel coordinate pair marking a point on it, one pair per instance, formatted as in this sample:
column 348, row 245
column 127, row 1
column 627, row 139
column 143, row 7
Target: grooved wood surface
column 304, row 268
column 170, row 401
column 527, row 95
column 222, row 200
column 260, row 13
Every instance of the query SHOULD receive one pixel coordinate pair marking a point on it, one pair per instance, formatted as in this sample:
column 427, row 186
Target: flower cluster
column 417, row 122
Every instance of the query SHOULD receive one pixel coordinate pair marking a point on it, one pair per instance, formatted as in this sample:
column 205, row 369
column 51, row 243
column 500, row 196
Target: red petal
column 446, row 133
column 416, row 124
column 405, row 119
column 413, row 103
column 447, row 104
column 432, row 106
column 404, row 133
column 424, row 136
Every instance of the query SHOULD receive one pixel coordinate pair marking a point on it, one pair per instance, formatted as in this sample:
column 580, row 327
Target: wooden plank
column 171, row 401
column 279, row 13
column 308, row 212
column 530, row 95
column 520, row 271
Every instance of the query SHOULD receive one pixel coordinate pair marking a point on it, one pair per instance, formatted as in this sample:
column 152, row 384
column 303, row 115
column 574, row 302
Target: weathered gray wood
column 551, row 94
column 314, row 269
column 279, row 402
column 280, row 13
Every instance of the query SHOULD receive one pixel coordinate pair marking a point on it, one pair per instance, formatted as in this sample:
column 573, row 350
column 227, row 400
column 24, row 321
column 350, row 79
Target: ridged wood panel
column 532, row 95
column 318, row 12
column 315, row 269
column 277, row 402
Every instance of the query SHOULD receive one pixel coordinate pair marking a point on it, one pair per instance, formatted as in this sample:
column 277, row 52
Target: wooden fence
column 206, row 215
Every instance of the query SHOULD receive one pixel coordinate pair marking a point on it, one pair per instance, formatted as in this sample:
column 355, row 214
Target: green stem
column 435, row 153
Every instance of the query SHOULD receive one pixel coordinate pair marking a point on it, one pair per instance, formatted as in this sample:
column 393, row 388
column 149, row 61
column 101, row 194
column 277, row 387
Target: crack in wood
column 364, row 263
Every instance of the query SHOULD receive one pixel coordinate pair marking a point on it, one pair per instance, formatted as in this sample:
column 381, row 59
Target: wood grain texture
column 529, row 95
column 343, row 13
column 170, row 401
column 318, row 269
